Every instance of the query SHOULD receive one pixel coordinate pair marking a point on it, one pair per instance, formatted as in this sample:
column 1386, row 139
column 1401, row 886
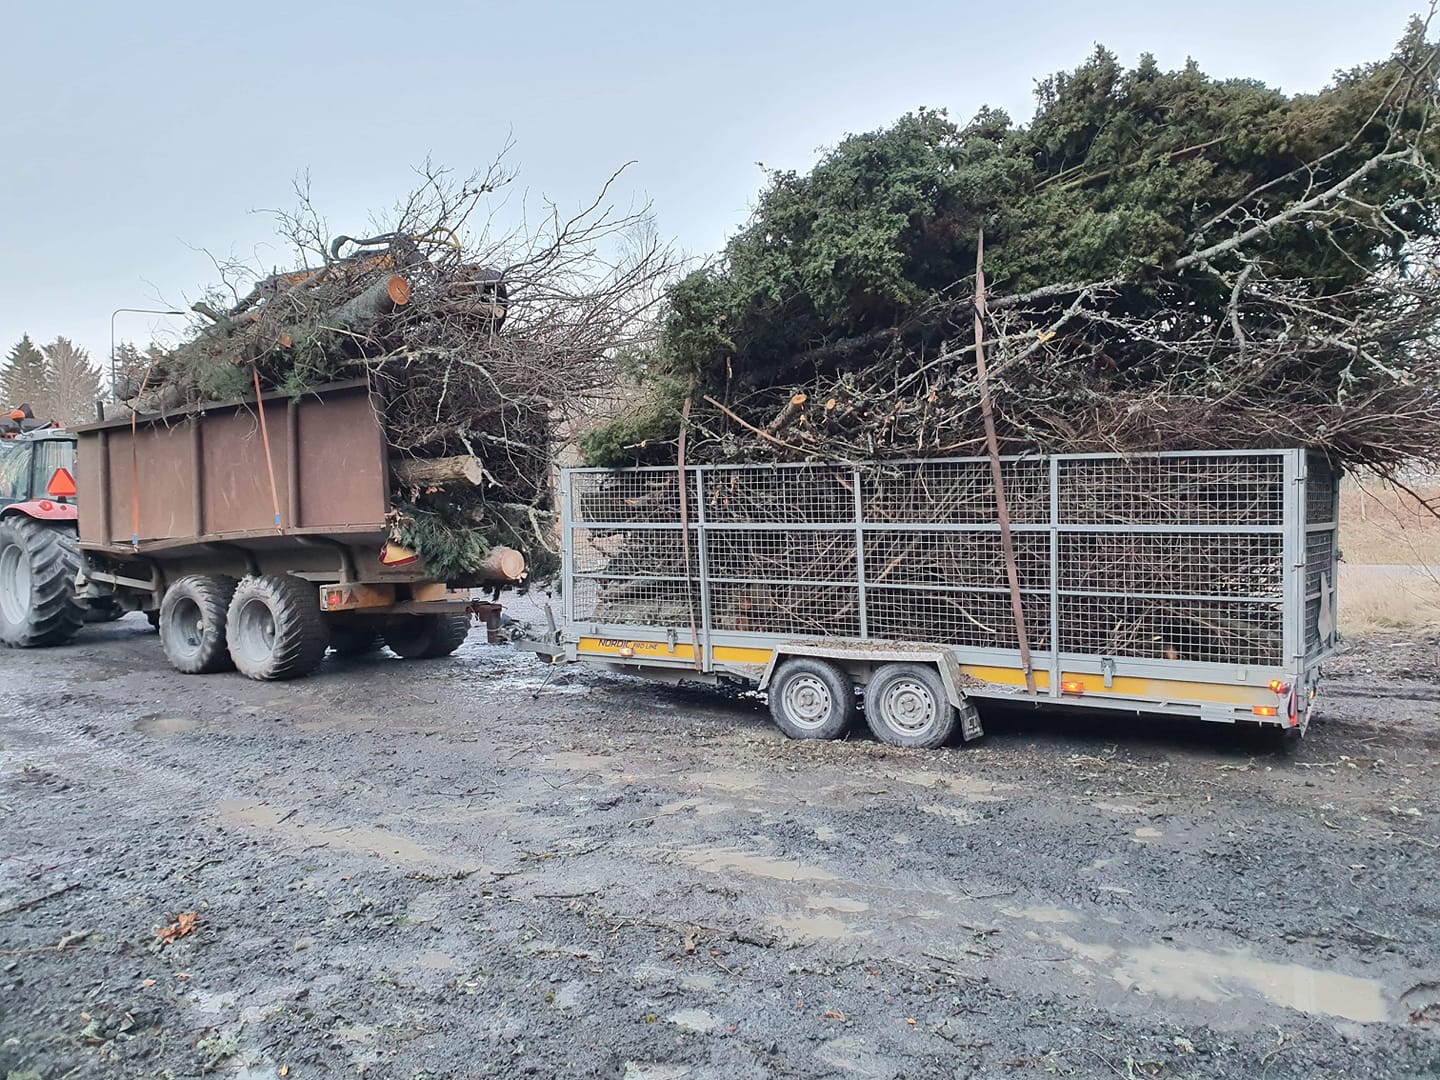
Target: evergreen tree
column 24, row 379
column 74, row 383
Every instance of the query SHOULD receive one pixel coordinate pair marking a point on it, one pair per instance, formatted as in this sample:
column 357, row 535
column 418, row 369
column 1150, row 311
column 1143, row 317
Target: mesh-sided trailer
column 1197, row 584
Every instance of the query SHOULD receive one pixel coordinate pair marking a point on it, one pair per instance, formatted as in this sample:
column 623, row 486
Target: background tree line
column 58, row 381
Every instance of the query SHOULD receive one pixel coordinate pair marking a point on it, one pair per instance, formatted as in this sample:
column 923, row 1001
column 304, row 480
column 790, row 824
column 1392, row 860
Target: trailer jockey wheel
column 192, row 624
column 907, row 705
column 426, row 637
column 275, row 628
column 811, row 699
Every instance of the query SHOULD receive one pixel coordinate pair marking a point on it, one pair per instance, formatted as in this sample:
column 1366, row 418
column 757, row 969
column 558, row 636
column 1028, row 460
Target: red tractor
column 39, row 553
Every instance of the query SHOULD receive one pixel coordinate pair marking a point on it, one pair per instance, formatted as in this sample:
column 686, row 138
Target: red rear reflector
column 62, row 485
column 1072, row 686
column 1265, row 710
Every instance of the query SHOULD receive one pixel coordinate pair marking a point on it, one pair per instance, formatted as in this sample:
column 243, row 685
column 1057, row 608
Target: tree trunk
column 437, row 472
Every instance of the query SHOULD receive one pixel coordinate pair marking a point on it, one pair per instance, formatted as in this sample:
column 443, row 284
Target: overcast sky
column 137, row 137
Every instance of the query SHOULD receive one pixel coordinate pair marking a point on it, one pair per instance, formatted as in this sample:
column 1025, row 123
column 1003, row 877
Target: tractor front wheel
column 38, row 565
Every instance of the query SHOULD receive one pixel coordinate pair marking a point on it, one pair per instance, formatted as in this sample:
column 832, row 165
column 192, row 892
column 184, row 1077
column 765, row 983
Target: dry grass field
column 1390, row 577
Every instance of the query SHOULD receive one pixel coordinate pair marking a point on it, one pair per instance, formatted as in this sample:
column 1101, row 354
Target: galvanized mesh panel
column 956, row 492
column 633, row 552
column 781, row 495
column 1172, row 491
column 1319, row 560
column 1211, row 631
column 954, row 559
column 782, row 554
column 621, row 498
column 1322, row 491
column 809, row 610
column 1313, row 639
column 978, row 620
column 631, row 601
column 1183, row 564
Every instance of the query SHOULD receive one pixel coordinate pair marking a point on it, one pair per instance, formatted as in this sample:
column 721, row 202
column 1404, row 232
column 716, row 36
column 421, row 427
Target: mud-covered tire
column 811, row 699
column 38, row 565
column 275, row 629
column 908, row 705
column 192, row 624
column 426, row 637
column 355, row 640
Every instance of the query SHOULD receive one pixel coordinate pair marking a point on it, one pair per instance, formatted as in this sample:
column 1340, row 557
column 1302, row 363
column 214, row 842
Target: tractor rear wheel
column 275, row 629
column 426, row 637
column 38, row 565
column 192, row 624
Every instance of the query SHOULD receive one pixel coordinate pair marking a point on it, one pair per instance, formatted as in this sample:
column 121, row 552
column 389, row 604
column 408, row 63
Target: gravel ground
column 461, row 868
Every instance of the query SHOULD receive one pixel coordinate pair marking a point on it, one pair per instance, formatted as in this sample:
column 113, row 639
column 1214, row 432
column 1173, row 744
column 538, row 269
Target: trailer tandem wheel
column 427, row 637
column 192, row 623
column 906, row 705
column 361, row 640
column 275, row 627
column 811, row 699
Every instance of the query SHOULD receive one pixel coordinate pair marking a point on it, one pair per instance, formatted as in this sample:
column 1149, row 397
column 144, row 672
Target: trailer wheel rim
column 807, row 701
column 908, row 706
column 15, row 584
column 256, row 629
column 189, row 625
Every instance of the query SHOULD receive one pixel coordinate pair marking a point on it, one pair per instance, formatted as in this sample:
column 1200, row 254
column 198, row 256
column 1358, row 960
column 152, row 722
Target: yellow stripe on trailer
column 1076, row 684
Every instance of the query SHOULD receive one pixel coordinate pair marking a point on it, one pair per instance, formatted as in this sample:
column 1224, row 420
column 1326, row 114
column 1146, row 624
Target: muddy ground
column 459, row 869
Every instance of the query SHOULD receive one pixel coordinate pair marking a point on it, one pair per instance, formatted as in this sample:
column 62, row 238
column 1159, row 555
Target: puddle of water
column 1118, row 808
column 1145, row 832
column 719, row 860
column 969, row 788
column 836, row 903
column 360, row 841
column 826, row 835
column 434, row 960
column 700, row 807
column 1197, row 975
column 726, row 780
column 810, row 926
column 164, row 726
column 696, row 1020
column 958, row 814
column 1041, row 914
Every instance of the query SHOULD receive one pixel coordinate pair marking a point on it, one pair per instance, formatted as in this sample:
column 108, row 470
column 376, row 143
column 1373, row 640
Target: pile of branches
column 1175, row 263
column 478, row 342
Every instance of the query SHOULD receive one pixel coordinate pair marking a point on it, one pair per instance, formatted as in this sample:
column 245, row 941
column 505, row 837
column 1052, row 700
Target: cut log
column 437, row 472
column 380, row 299
column 787, row 414
column 503, row 565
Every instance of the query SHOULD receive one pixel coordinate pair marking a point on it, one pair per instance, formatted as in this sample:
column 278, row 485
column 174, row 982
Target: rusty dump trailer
column 255, row 535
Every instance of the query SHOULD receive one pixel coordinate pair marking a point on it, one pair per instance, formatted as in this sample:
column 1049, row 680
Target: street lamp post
column 114, row 384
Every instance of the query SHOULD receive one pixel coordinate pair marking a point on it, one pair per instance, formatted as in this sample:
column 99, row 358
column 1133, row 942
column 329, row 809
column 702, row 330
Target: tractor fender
column 43, row 510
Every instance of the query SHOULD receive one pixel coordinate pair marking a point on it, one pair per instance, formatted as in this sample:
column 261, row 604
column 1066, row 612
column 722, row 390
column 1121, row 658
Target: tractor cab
column 38, row 467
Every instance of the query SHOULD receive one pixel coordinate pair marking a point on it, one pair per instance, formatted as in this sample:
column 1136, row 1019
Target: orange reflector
column 395, row 555
column 1265, row 710
column 1072, row 686
column 62, row 485
column 627, row 652
column 1279, row 686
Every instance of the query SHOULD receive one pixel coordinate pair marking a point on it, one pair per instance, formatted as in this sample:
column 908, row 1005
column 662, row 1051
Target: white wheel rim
column 189, row 629
column 15, row 584
column 807, row 702
column 908, row 706
column 256, row 629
